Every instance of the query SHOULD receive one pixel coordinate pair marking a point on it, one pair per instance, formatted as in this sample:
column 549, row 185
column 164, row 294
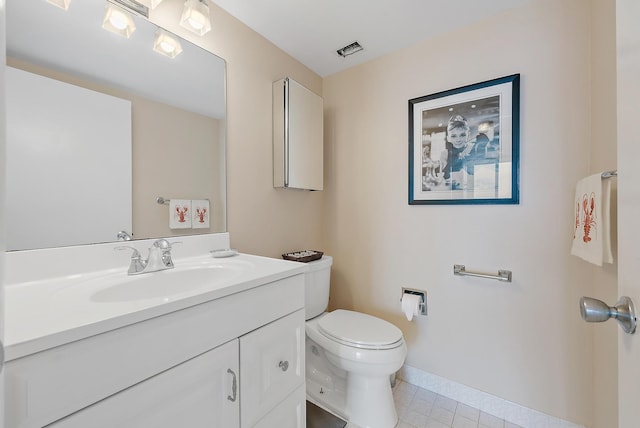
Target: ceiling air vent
column 349, row 49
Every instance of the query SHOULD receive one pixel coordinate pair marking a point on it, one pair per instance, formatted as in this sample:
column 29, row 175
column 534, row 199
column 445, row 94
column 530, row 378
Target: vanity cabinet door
column 199, row 393
column 291, row 413
column 272, row 366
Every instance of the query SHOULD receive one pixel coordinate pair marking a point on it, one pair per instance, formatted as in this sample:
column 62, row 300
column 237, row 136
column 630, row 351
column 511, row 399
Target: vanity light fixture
column 133, row 6
column 195, row 17
column 165, row 44
column 118, row 21
column 62, row 4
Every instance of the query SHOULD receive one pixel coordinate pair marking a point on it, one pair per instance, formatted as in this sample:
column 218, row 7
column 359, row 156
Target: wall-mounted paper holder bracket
column 422, row 306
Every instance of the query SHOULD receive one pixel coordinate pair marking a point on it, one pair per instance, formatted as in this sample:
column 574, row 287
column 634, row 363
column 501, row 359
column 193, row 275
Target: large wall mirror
column 99, row 126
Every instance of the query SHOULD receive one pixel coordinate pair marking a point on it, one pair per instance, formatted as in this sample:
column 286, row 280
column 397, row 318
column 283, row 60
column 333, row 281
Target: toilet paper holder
column 422, row 306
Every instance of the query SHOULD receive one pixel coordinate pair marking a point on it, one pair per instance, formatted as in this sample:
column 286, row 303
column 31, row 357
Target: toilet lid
column 359, row 330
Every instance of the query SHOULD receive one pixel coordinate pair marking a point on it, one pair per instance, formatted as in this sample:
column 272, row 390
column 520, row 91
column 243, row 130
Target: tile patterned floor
column 421, row 408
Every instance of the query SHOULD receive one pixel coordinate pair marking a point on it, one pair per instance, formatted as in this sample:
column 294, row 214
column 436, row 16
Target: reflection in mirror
column 99, row 126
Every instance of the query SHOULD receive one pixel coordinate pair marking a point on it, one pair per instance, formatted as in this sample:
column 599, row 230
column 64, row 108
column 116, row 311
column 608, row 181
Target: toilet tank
column 317, row 286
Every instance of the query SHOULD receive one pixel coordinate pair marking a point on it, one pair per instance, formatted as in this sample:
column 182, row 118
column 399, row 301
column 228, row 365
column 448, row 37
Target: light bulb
column 196, row 22
column 118, row 20
column 195, row 16
column 167, row 47
column 166, row 44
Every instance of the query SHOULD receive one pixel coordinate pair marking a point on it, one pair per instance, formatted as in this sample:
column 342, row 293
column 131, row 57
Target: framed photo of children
column 464, row 144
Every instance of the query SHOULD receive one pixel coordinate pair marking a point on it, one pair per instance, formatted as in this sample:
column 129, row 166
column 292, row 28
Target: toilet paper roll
column 410, row 305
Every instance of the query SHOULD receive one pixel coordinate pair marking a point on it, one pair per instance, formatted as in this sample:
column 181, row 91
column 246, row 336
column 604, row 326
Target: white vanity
column 212, row 342
column 219, row 342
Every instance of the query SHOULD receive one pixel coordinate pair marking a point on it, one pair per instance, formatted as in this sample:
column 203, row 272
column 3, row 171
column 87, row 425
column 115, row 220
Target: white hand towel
column 180, row 214
column 592, row 228
column 200, row 214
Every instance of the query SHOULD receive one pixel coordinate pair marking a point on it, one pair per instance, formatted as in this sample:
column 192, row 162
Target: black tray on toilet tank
column 303, row 256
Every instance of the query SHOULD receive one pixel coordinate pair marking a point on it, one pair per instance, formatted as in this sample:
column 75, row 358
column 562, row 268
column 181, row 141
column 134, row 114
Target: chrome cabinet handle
column 284, row 365
column 1, row 356
column 234, row 387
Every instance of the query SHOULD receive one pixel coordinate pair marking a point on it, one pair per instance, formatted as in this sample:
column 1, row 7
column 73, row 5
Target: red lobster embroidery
column 181, row 213
column 589, row 219
column 201, row 213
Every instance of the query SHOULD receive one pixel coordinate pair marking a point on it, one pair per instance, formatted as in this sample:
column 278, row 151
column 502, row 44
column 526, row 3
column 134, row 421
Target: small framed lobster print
column 464, row 144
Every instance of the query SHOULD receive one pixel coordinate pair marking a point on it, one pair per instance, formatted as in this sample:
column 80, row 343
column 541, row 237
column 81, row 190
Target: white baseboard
column 501, row 408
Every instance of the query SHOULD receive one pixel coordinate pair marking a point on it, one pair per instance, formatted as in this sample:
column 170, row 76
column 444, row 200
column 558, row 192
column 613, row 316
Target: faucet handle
column 137, row 264
column 163, row 244
column 136, row 253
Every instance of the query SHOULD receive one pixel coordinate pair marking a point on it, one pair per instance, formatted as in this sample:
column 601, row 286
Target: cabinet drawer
column 198, row 393
column 272, row 365
column 291, row 413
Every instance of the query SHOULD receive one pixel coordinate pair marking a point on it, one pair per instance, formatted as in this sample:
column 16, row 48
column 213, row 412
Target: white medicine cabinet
column 297, row 136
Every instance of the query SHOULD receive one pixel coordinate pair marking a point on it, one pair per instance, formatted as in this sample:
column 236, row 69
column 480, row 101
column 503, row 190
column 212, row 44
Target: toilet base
column 363, row 401
column 369, row 402
column 331, row 400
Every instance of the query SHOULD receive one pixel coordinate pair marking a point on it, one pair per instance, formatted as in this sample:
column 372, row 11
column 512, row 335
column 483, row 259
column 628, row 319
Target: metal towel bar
column 503, row 275
column 609, row 174
column 162, row 201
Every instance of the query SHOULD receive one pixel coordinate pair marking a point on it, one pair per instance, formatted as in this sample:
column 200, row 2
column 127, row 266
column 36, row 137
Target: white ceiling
column 312, row 30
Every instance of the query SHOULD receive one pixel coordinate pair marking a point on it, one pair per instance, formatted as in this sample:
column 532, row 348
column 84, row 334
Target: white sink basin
column 117, row 287
column 165, row 284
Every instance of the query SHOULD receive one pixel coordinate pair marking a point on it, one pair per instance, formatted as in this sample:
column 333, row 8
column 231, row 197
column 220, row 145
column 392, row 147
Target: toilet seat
column 360, row 330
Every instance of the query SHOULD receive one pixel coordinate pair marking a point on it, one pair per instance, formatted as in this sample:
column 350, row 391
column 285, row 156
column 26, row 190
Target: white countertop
column 49, row 312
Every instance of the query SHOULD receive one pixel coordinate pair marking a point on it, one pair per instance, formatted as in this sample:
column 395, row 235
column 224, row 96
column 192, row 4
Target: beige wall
column 524, row 341
column 168, row 163
column 604, row 157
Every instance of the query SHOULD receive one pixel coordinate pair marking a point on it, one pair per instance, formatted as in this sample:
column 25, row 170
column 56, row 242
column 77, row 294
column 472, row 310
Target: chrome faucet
column 159, row 258
column 123, row 236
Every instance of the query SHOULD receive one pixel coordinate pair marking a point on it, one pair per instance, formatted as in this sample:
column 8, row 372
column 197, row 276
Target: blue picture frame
column 464, row 144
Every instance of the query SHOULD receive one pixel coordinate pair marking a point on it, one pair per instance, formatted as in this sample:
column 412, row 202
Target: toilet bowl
column 350, row 357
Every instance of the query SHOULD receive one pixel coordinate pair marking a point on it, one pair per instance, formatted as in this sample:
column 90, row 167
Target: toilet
column 350, row 356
